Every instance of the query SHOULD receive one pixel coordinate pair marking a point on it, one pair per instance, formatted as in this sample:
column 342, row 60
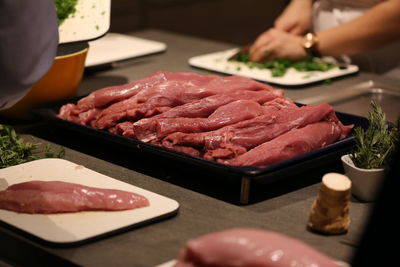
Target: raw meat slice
column 225, row 115
column 61, row 197
column 293, row 143
column 172, row 93
column 109, row 95
column 146, row 129
column 250, row 247
column 112, row 94
column 239, row 137
column 228, row 114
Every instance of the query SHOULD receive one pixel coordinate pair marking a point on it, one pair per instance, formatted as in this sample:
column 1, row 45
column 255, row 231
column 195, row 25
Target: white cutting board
column 69, row 228
column 115, row 47
column 219, row 62
column 90, row 20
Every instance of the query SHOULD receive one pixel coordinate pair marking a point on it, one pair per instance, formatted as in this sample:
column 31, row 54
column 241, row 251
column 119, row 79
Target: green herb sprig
column 279, row 67
column 15, row 150
column 64, row 9
column 375, row 145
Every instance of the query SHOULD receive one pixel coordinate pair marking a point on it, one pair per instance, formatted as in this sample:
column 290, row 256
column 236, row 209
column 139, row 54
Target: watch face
column 310, row 41
column 308, row 44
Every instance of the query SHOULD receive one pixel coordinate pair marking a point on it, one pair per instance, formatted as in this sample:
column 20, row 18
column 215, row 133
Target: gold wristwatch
column 310, row 44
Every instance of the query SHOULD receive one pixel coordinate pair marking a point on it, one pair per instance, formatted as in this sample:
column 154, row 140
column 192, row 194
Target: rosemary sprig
column 15, row 150
column 375, row 145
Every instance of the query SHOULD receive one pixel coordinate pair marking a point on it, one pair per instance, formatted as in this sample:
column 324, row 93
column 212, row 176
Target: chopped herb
column 64, row 9
column 279, row 67
column 15, row 150
column 375, row 146
column 97, row 27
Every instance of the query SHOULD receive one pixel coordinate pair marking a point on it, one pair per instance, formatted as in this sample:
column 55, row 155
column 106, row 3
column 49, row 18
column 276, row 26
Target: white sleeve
column 28, row 45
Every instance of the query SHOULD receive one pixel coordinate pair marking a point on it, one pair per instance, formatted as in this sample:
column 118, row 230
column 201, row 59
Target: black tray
column 247, row 174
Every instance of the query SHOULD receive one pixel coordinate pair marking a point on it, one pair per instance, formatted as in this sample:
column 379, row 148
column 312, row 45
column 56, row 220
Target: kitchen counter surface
column 206, row 204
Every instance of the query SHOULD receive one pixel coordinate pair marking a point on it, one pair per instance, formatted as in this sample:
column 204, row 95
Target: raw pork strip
column 61, row 197
column 105, row 96
column 172, row 93
column 293, row 143
column 270, row 111
column 229, row 114
column 109, row 95
column 236, row 139
column 250, row 247
column 145, row 129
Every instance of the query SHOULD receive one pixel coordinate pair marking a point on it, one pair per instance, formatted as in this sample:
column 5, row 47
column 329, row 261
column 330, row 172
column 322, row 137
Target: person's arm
column 28, row 45
column 296, row 18
column 377, row 27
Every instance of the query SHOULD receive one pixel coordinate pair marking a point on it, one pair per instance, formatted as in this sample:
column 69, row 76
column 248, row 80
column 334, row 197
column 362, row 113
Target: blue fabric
column 28, row 46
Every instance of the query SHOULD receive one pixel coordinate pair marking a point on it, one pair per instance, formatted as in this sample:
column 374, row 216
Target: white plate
column 91, row 20
column 115, row 47
column 70, row 228
column 218, row 62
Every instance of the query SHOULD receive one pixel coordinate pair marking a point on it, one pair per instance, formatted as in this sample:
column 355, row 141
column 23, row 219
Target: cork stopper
column 330, row 211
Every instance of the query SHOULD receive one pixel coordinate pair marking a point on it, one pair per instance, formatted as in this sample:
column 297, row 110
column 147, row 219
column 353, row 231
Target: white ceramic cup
column 365, row 182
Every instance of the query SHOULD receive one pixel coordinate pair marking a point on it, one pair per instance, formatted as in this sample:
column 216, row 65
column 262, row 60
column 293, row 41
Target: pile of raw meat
column 231, row 120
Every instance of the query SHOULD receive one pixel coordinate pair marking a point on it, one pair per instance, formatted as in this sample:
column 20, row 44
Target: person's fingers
column 284, row 26
column 295, row 31
column 270, row 53
column 259, row 42
column 258, row 48
column 263, row 53
column 257, row 53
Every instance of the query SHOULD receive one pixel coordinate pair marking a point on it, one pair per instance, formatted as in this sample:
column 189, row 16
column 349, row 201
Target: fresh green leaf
column 15, row 150
column 64, row 9
column 279, row 67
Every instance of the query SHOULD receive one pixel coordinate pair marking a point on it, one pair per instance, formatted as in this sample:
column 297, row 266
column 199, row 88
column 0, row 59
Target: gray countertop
column 203, row 207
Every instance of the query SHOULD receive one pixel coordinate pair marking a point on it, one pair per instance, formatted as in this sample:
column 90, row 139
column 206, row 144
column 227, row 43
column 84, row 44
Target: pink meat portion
column 231, row 113
column 216, row 118
column 61, row 197
column 293, row 143
column 225, row 115
column 171, row 93
column 109, row 95
column 112, row 94
column 104, row 97
column 206, row 138
column 236, row 139
column 247, row 247
column 146, row 129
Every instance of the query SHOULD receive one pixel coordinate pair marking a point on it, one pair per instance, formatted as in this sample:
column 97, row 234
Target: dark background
column 232, row 21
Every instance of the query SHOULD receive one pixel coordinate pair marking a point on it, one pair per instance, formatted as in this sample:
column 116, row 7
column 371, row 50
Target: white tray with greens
column 280, row 72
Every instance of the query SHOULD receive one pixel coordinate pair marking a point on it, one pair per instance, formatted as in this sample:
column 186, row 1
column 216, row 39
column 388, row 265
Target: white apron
column 331, row 13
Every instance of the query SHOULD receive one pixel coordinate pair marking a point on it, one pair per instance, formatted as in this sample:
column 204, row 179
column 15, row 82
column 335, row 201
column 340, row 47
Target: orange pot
column 60, row 82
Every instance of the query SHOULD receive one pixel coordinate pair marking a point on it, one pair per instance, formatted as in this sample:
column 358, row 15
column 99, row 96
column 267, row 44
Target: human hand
column 276, row 43
column 296, row 18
